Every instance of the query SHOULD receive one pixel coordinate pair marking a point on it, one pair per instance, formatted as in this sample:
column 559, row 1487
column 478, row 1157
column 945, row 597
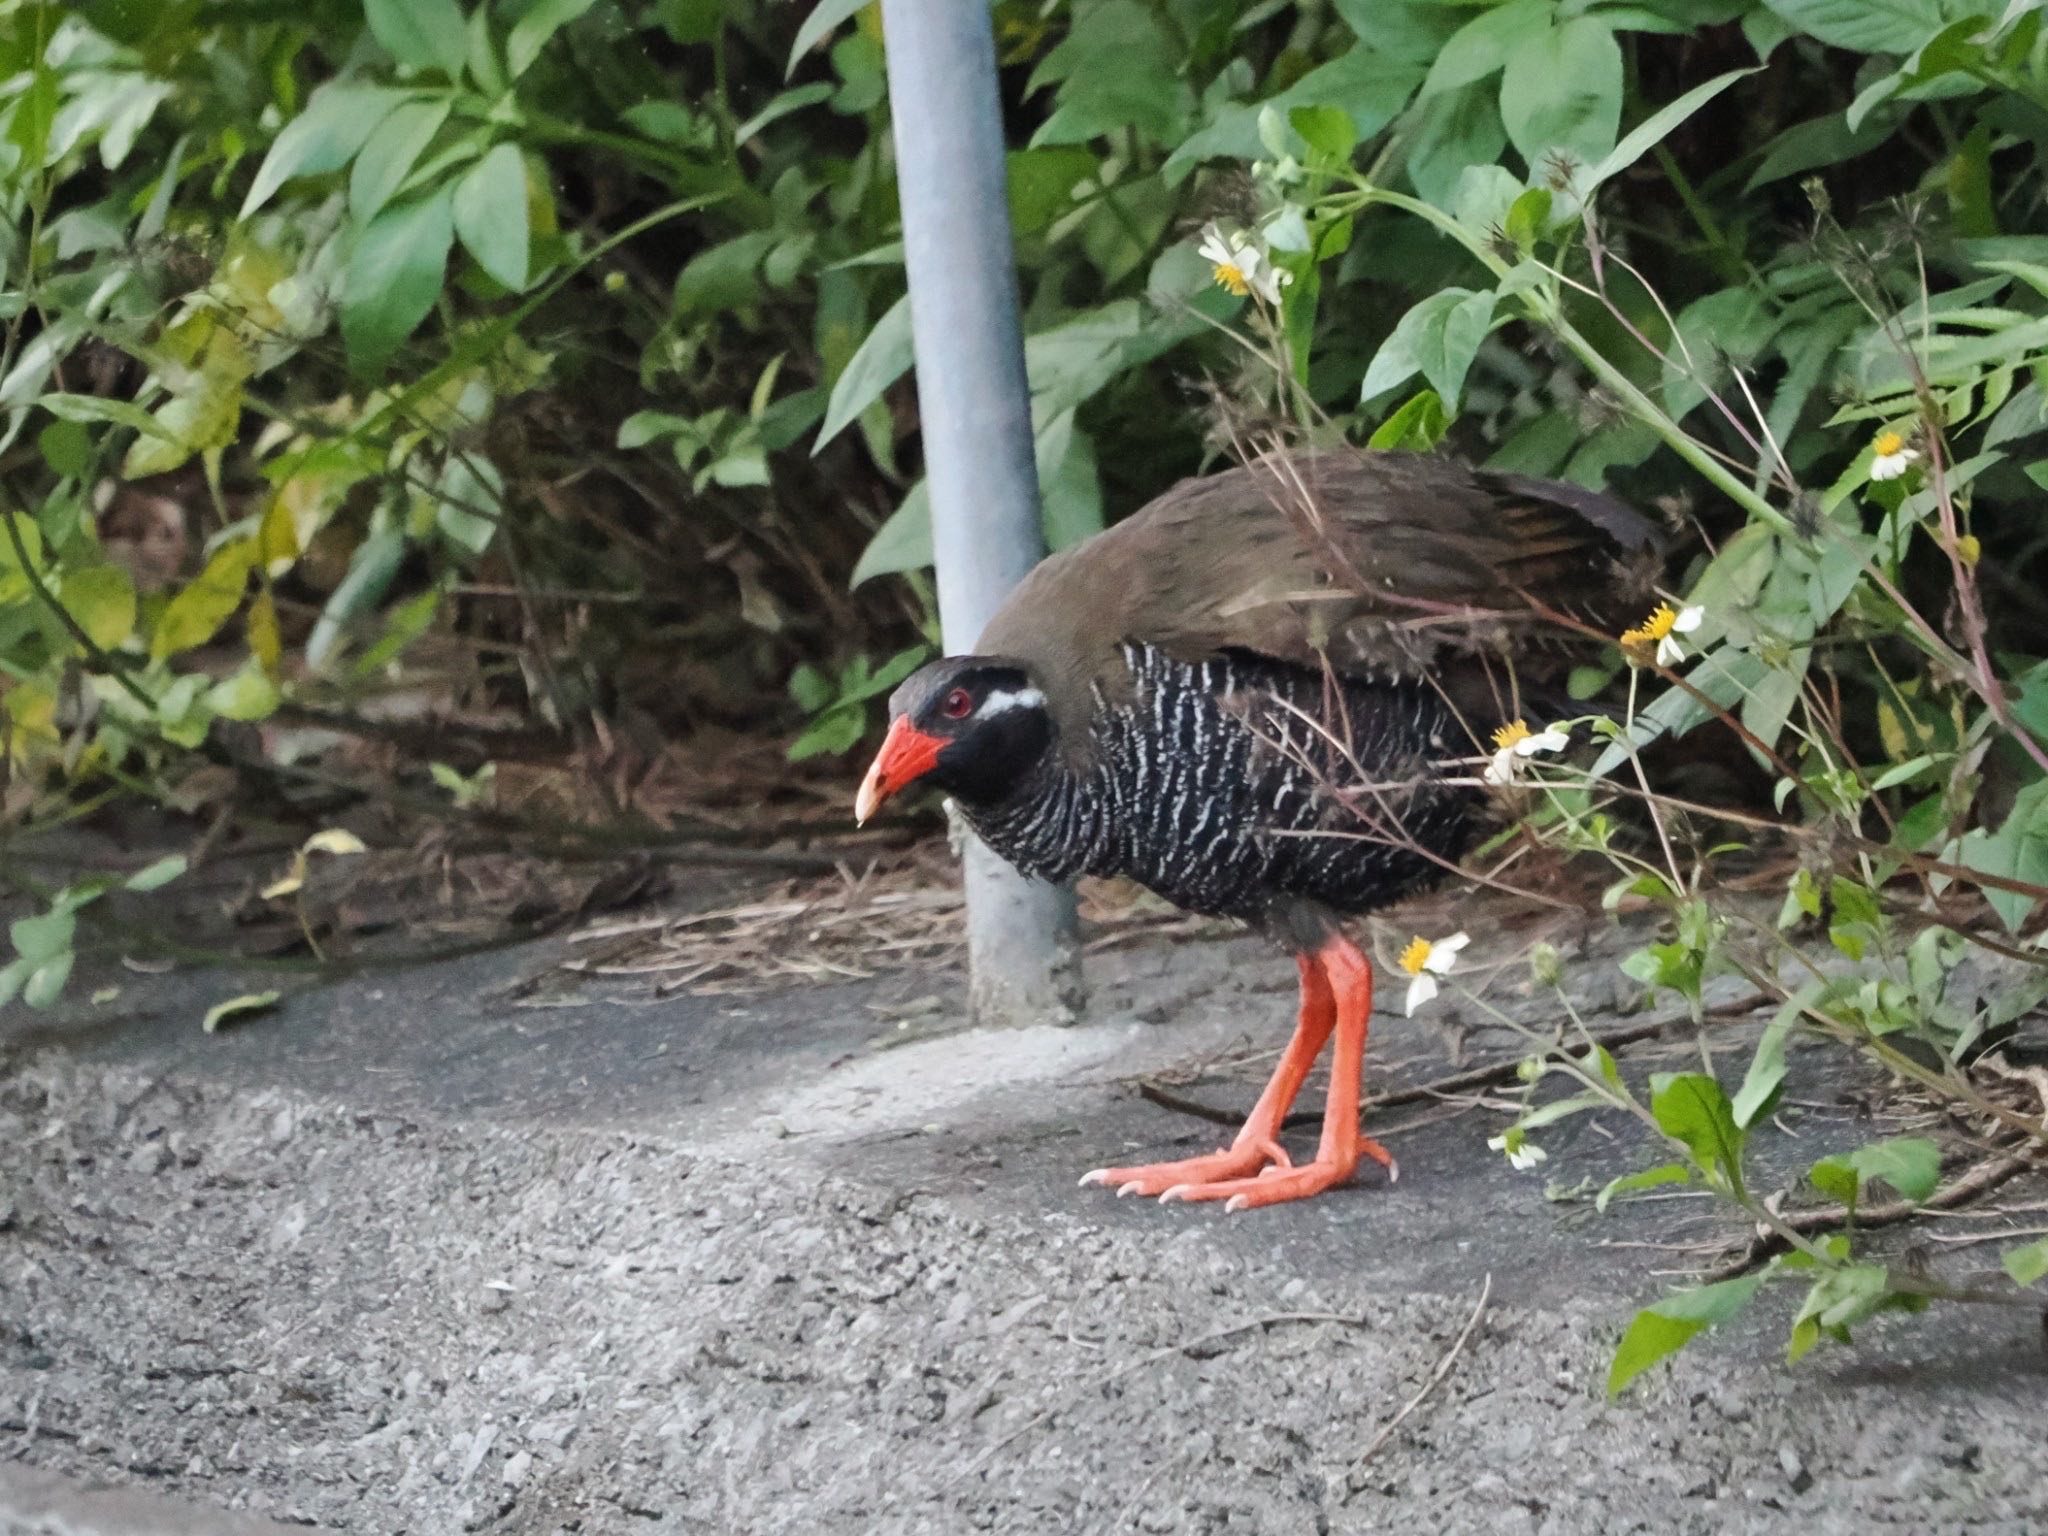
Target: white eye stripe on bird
column 1011, row 698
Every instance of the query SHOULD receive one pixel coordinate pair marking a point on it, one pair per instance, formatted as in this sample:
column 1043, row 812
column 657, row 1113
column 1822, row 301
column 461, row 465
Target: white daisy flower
column 1889, row 456
column 1662, row 628
column 1522, row 1154
column 1424, row 962
column 1514, row 741
column 1240, row 266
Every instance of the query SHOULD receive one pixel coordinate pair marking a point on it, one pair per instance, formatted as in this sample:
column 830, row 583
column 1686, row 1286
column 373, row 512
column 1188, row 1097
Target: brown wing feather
column 1369, row 563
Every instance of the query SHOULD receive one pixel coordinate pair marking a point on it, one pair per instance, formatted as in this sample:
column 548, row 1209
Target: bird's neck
column 1051, row 821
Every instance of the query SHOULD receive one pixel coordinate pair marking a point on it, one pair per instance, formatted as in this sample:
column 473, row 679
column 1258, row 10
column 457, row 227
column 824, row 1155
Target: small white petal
column 1446, row 950
column 1420, row 991
column 1669, row 652
column 1688, row 620
column 1502, row 769
column 1542, row 741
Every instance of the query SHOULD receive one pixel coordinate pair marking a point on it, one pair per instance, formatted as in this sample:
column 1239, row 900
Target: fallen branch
column 1981, row 1179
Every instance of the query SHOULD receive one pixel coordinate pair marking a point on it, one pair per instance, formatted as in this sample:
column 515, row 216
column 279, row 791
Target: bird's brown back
column 1372, row 564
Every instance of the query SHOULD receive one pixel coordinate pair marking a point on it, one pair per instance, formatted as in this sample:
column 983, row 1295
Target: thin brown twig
column 1185, row 1347
column 1436, row 1377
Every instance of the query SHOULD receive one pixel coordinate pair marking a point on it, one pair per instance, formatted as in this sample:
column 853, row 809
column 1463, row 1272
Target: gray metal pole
column 975, row 407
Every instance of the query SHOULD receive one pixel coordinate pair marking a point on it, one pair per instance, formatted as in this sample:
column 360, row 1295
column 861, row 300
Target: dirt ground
column 445, row 1250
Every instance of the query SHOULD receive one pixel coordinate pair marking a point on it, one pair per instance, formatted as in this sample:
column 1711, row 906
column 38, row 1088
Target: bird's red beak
column 907, row 755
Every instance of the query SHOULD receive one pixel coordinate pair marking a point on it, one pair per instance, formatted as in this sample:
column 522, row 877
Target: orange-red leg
column 1258, row 1144
column 1350, row 980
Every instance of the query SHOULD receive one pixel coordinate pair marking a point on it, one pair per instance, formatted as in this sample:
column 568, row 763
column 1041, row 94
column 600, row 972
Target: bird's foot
column 1237, row 1163
column 1277, row 1185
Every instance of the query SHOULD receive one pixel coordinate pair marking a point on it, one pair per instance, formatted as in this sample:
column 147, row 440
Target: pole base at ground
column 1023, row 949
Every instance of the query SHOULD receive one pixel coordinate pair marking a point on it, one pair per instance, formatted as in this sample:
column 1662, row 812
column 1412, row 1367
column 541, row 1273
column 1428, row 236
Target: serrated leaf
column 1690, row 1108
column 1660, row 1331
column 1438, row 338
column 491, row 216
column 248, row 1004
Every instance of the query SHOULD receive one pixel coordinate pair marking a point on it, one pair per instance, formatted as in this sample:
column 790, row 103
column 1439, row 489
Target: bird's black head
column 971, row 725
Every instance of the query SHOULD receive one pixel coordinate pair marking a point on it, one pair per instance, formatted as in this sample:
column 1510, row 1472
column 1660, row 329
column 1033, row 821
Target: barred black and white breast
column 1229, row 784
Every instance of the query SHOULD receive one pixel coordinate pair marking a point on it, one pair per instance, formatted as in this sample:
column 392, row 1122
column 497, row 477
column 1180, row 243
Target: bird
column 1260, row 696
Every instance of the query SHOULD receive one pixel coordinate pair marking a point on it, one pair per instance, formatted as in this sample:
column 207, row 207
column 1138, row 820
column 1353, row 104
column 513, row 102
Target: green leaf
column 1648, row 1178
column 794, row 99
column 531, row 32
column 425, row 34
column 1660, row 1331
column 395, row 274
column 323, row 138
column 1691, row 1109
column 154, row 876
column 43, row 936
column 902, row 543
column 1042, row 183
column 1656, row 128
column 196, row 614
column 1868, row 26
column 389, row 154
column 101, row 598
column 1909, row 1164
column 370, row 571
column 825, row 16
column 1325, row 129
column 14, row 584
column 1370, row 89
column 1562, row 93
column 238, row 1008
column 94, row 408
column 47, row 980
column 471, row 501
column 67, row 448
column 883, row 358
column 491, row 216
column 1417, row 427
column 1437, row 338
column 1759, row 1088
column 1482, row 46
column 2028, row 1262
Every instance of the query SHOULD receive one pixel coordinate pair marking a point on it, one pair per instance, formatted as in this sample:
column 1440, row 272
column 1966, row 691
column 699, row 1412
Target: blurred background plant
column 494, row 383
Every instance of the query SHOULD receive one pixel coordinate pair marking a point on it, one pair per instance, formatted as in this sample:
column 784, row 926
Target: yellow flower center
column 1652, row 629
column 1415, row 956
column 1885, row 444
column 1511, row 733
column 1231, row 276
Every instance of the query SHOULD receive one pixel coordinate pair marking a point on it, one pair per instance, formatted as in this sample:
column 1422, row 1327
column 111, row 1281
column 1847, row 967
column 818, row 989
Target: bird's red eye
column 957, row 705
